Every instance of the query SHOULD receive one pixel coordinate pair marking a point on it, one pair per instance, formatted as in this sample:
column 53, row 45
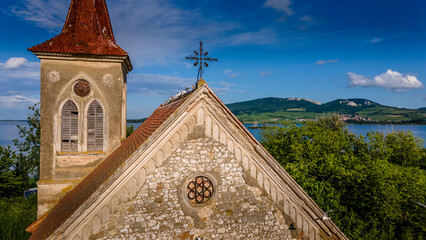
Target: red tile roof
column 87, row 30
column 76, row 197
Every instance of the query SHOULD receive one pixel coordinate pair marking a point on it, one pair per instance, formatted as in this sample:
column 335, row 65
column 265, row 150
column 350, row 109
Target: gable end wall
column 199, row 117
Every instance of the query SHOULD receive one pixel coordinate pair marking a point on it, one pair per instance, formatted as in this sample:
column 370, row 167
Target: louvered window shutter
column 95, row 127
column 69, row 127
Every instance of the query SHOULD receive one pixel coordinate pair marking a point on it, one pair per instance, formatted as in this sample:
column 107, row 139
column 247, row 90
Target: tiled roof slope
column 73, row 199
column 87, row 30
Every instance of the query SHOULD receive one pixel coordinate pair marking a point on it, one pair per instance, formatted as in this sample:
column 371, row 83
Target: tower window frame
column 95, row 127
column 69, row 127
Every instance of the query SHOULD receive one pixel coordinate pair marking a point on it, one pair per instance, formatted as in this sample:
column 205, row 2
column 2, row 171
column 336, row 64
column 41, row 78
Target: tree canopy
column 371, row 183
column 19, row 170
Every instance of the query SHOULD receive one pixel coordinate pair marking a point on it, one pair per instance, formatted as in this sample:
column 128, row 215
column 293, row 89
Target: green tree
column 129, row 130
column 19, row 170
column 372, row 198
column 11, row 182
column 406, row 149
column 332, row 122
column 28, row 145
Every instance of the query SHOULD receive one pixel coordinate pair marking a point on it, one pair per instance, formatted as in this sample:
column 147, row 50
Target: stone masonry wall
column 161, row 210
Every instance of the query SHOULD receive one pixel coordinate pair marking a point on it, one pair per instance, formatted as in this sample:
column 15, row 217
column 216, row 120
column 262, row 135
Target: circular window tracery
column 82, row 88
column 199, row 189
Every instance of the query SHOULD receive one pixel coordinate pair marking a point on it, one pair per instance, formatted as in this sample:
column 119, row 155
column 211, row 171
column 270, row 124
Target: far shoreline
column 269, row 123
column 12, row 121
column 347, row 123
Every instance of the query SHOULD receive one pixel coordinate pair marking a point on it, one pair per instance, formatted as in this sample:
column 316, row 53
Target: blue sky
column 316, row 49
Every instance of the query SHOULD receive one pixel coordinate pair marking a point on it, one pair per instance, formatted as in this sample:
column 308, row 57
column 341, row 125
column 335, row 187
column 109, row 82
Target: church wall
column 60, row 171
column 161, row 210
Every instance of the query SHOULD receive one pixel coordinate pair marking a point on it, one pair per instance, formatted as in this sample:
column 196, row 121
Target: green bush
column 16, row 214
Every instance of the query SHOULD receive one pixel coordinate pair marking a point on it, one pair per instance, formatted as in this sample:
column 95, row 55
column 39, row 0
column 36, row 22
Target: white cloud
column 265, row 72
column 280, row 5
column 19, row 87
column 356, row 80
column 15, row 62
column 19, row 68
column 264, row 36
column 376, row 40
column 164, row 86
column 231, row 73
column 157, row 85
column 226, row 84
column 17, row 101
column 390, row 80
column 322, row 62
column 234, row 75
column 19, row 77
column 307, row 19
column 227, row 71
column 48, row 14
column 222, row 87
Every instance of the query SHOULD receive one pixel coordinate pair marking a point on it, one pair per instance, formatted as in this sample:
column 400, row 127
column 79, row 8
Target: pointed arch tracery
column 69, row 127
column 95, row 127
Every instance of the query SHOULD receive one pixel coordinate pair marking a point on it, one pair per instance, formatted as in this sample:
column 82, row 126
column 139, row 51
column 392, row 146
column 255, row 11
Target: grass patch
column 296, row 110
column 16, row 214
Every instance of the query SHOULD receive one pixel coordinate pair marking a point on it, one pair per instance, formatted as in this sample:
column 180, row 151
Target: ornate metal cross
column 201, row 60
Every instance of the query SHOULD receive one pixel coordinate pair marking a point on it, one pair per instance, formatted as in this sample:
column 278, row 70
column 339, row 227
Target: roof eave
column 124, row 58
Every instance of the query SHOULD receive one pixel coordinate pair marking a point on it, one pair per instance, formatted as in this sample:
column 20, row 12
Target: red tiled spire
column 87, row 30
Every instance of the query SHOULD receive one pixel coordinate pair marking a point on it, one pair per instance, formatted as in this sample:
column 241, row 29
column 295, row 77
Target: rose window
column 199, row 189
column 82, row 88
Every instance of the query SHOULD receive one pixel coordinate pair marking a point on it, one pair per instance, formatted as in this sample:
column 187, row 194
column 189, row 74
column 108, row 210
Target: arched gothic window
column 69, row 127
column 95, row 127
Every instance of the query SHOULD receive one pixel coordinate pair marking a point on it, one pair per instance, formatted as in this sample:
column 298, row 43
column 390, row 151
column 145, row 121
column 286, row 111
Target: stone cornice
column 125, row 60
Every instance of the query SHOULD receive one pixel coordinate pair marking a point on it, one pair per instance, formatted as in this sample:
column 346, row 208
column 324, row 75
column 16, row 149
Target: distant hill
column 348, row 106
column 272, row 104
column 13, row 121
column 136, row 120
column 353, row 109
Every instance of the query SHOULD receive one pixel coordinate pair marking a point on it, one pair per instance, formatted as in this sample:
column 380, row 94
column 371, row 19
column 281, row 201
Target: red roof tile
column 87, row 30
column 76, row 197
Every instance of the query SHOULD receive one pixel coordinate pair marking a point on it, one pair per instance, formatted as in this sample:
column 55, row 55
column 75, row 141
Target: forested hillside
column 275, row 109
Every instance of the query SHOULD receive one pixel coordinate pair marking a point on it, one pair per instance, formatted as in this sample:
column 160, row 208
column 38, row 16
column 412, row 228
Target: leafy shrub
column 16, row 214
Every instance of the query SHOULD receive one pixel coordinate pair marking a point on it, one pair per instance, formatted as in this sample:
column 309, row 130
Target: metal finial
column 200, row 56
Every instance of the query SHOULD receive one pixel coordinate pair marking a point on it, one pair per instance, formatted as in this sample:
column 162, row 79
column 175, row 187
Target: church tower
column 83, row 99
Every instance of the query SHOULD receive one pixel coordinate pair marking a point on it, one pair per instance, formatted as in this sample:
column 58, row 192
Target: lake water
column 9, row 131
column 417, row 130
